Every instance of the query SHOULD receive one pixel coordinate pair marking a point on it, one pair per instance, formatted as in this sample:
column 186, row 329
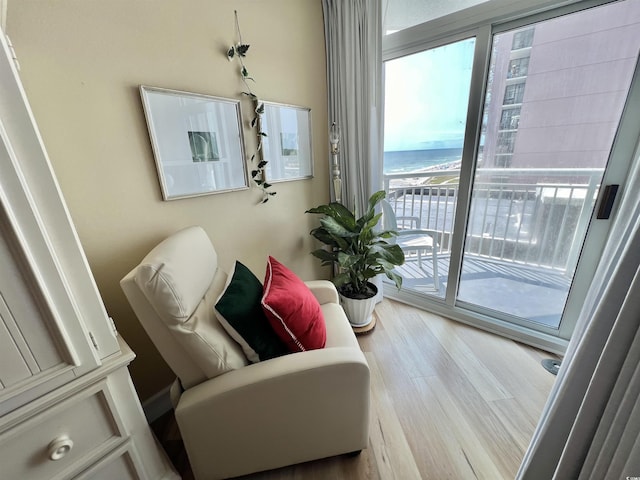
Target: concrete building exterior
column 557, row 89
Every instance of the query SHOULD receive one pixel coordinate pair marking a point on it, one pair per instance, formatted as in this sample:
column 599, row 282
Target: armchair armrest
column 324, row 291
column 286, row 410
column 280, row 369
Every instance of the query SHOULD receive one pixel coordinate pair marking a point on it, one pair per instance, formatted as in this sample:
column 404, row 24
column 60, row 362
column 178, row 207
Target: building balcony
column 524, row 235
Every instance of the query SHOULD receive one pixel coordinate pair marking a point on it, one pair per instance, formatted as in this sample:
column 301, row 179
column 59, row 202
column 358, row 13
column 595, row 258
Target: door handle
column 606, row 202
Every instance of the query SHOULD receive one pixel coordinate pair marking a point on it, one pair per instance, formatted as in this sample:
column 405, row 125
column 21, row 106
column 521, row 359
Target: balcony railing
column 529, row 216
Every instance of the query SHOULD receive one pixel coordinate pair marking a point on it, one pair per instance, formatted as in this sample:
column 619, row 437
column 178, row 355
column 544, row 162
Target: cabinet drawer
column 64, row 439
column 121, row 464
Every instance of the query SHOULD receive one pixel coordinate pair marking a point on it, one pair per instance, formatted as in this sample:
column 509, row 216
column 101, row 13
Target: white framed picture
column 287, row 145
column 197, row 142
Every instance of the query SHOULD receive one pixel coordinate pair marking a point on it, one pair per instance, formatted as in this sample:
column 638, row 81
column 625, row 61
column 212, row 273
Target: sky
column 426, row 96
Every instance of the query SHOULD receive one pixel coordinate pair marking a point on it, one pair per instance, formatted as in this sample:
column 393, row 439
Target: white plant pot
column 359, row 311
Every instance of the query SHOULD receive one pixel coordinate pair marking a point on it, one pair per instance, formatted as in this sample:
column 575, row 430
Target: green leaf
column 336, row 228
column 337, row 211
column 387, row 234
column 271, row 193
column 375, row 199
column 321, row 234
column 397, row 279
column 245, row 74
column 331, row 240
column 266, row 185
column 254, row 173
column 347, row 261
column 343, row 244
column 230, row 53
column 324, row 255
column 385, row 265
column 371, row 271
column 260, row 109
column 262, row 134
column 249, row 94
column 253, row 157
column 262, row 164
column 390, row 253
column 373, row 222
column 258, row 182
column 324, row 209
column 341, row 279
column 254, row 122
column 242, row 48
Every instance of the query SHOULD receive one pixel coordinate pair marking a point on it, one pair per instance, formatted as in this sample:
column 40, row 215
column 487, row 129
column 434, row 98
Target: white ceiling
column 401, row 14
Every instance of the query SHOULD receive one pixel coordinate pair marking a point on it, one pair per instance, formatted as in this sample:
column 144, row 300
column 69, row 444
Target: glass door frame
column 482, row 23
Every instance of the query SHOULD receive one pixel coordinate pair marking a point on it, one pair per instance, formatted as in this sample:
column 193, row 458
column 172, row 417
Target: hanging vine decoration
column 258, row 173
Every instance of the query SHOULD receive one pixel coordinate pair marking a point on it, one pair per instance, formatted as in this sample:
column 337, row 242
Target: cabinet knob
column 59, row 447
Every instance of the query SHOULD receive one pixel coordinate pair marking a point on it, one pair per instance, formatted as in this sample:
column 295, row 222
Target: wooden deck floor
column 448, row 402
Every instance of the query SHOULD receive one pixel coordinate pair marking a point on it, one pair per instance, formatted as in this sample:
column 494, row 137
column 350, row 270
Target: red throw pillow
column 292, row 310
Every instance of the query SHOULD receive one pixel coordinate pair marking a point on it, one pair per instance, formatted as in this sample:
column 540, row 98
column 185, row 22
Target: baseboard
column 157, row 405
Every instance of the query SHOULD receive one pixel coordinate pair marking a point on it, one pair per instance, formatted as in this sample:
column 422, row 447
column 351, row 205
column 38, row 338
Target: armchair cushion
column 181, row 280
column 175, row 279
column 240, row 313
column 292, row 309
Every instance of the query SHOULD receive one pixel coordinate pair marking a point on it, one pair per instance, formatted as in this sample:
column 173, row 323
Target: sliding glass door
column 511, row 206
column 426, row 101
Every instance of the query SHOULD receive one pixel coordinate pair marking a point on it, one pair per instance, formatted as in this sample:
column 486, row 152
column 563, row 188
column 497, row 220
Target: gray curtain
column 353, row 36
column 590, row 428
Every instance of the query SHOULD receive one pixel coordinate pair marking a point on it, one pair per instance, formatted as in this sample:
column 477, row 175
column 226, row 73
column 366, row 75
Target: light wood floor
column 448, row 402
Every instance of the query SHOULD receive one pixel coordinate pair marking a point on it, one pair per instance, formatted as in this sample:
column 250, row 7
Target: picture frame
column 287, row 146
column 197, row 142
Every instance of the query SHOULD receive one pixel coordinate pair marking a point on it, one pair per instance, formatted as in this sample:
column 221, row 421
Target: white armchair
column 237, row 418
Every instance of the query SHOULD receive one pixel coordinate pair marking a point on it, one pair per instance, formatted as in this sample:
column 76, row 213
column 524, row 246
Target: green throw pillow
column 240, row 313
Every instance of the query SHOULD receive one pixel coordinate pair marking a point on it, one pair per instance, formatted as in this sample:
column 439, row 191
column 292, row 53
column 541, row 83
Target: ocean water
column 418, row 160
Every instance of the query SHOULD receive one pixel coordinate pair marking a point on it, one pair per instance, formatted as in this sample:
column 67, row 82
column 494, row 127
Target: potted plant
column 359, row 252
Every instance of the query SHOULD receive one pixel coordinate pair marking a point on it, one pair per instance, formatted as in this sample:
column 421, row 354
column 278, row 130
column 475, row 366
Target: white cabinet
column 64, row 438
column 68, row 408
column 37, row 352
column 92, row 427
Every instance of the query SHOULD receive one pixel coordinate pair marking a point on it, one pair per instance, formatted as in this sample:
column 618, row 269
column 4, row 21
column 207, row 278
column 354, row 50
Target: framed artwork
column 287, row 146
column 197, row 142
